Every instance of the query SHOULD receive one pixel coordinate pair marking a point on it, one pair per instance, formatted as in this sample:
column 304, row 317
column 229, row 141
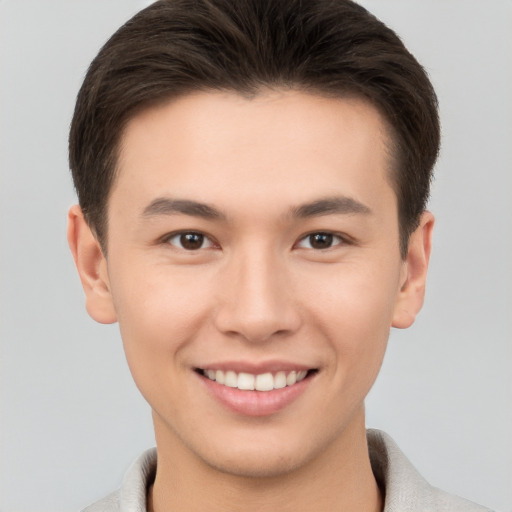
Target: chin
column 264, row 454
column 262, row 465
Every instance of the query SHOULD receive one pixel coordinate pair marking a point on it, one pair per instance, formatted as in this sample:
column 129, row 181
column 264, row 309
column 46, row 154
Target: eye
column 190, row 241
column 320, row 241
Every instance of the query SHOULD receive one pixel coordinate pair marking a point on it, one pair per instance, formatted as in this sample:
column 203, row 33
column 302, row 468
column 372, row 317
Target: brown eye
column 320, row 241
column 190, row 241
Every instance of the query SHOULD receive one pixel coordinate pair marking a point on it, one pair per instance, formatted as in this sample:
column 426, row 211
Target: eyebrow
column 331, row 205
column 168, row 206
column 324, row 206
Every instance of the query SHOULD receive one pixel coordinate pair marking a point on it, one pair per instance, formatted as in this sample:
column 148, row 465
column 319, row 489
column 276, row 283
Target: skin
column 256, row 290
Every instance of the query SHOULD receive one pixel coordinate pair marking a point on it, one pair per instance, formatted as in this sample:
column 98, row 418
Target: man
column 252, row 180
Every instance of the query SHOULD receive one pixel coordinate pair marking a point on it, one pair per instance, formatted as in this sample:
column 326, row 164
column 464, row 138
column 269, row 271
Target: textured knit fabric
column 403, row 487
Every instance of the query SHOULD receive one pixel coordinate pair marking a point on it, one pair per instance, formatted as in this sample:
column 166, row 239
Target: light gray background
column 71, row 419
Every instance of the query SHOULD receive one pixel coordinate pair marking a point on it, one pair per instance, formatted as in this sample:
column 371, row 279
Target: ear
column 414, row 272
column 91, row 266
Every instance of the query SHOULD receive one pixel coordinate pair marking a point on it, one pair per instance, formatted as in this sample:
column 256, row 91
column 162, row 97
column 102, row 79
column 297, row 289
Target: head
column 253, row 177
column 333, row 49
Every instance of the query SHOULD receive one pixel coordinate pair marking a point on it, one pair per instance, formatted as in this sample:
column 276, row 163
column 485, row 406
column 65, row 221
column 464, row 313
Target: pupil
column 191, row 241
column 320, row 240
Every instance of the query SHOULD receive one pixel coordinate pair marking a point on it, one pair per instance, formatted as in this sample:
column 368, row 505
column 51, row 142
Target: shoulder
column 131, row 496
column 443, row 502
column 404, row 488
column 109, row 503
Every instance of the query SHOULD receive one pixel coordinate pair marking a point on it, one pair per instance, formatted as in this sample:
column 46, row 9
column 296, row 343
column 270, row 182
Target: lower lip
column 256, row 403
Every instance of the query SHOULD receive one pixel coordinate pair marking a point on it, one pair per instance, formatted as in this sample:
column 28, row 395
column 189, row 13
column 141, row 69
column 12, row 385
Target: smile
column 261, row 382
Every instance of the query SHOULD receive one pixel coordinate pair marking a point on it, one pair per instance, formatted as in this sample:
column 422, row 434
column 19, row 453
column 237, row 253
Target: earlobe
column 412, row 291
column 92, row 267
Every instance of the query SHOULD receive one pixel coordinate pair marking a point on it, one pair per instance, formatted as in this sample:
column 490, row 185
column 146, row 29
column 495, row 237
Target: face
column 254, row 243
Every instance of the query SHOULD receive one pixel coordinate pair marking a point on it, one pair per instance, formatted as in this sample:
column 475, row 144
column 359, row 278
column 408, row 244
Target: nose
column 257, row 302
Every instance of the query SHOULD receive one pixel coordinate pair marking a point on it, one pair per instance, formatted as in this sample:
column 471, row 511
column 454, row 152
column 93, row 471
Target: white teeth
column 291, row 379
column 219, row 376
column 301, row 375
column 231, row 379
column 262, row 382
column 246, row 381
column 280, row 380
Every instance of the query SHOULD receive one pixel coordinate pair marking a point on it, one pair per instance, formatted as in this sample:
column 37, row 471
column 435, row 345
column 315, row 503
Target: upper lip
column 256, row 368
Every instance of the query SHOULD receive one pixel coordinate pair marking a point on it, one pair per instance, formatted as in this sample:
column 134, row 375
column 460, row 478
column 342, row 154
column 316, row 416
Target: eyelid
column 343, row 239
column 212, row 243
column 166, row 239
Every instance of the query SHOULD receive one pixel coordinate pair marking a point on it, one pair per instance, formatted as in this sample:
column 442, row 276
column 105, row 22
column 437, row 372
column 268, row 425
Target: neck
column 341, row 478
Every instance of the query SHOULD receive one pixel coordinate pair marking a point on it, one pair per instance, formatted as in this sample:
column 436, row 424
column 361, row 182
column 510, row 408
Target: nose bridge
column 257, row 301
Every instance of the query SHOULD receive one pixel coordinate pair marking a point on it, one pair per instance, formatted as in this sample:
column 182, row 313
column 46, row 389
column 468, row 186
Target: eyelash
column 342, row 240
column 202, row 238
column 179, row 235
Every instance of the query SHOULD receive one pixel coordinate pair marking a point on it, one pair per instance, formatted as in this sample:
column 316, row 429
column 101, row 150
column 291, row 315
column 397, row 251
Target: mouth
column 256, row 389
column 264, row 382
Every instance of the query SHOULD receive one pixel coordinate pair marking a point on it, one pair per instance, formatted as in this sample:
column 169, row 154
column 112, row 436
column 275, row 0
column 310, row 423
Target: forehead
column 283, row 145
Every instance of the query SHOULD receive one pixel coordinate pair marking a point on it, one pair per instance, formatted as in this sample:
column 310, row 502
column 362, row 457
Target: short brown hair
column 332, row 47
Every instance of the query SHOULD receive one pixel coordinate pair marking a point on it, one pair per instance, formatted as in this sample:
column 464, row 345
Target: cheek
column 354, row 309
column 357, row 332
column 354, row 296
column 159, row 311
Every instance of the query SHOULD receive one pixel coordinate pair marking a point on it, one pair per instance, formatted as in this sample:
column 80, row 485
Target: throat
column 336, row 475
